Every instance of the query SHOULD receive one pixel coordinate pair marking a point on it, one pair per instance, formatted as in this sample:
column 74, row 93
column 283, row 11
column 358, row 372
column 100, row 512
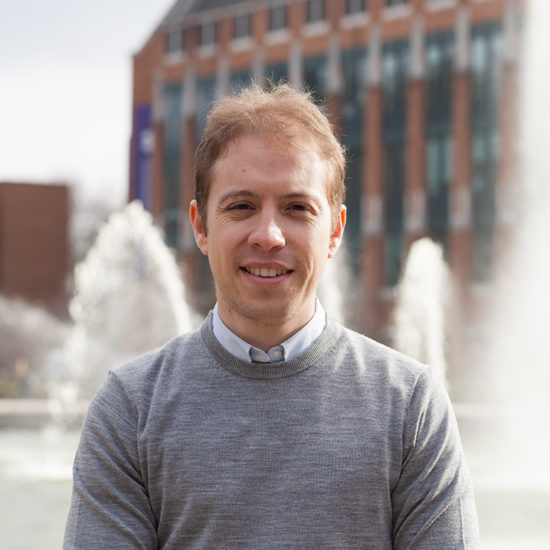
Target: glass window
column 277, row 18
column 486, row 70
column 174, row 41
column 315, row 10
column 394, row 89
column 484, row 167
column 355, row 6
column 396, row 2
column 241, row 26
column 206, row 95
column 483, row 254
column 439, row 153
column 355, row 78
column 439, row 146
column 171, row 162
column 433, row 166
column 240, row 80
column 276, row 74
column 208, row 34
column 352, row 124
column 439, row 68
column 394, row 86
column 448, row 158
column 390, row 70
column 314, row 75
column 392, row 260
column 394, row 180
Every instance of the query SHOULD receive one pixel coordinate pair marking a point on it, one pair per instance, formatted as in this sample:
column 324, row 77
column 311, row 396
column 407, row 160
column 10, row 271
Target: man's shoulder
column 133, row 389
column 376, row 358
column 145, row 368
column 390, row 378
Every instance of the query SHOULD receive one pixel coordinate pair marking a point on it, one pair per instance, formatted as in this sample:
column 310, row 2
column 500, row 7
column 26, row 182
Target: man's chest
column 230, row 452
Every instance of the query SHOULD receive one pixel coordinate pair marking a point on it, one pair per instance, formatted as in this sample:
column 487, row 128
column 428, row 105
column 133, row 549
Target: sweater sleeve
column 433, row 503
column 110, row 507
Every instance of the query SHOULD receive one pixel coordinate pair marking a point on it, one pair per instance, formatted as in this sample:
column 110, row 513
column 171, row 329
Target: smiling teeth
column 265, row 271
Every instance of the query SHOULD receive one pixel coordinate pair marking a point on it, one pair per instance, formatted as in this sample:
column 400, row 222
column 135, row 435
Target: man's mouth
column 266, row 271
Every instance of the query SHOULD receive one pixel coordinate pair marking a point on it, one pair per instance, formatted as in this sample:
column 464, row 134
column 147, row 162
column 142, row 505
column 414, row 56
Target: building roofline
column 192, row 16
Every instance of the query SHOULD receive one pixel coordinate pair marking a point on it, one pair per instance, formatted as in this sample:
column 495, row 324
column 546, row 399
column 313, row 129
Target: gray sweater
column 349, row 445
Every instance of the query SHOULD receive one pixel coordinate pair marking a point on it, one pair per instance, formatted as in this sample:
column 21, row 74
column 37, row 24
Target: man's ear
column 199, row 228
column 338, row 233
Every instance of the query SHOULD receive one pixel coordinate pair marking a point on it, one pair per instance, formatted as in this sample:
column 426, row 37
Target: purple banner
column 144, row 145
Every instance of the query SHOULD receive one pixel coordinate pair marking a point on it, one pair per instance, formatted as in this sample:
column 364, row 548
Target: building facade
column 422, row 93
column 34, row 244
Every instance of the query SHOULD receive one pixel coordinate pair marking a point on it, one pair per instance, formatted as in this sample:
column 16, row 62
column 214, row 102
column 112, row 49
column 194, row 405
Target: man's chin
column 268, row 314
column 274, row 312
column 282, row 310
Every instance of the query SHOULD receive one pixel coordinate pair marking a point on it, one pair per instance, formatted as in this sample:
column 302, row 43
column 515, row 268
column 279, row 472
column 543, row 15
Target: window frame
column 361, row 7
column 315, row 11
column 174, row 44
column 278, row 18
column 208, row 34
column 240, row 33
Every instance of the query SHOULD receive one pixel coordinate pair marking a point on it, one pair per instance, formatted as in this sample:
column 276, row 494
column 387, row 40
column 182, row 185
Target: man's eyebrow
column 244, row 193
column 310, row 198
column 299, row 195
column 235, row 195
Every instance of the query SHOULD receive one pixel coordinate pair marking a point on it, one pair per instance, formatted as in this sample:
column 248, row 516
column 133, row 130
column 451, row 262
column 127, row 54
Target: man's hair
column 281, row 113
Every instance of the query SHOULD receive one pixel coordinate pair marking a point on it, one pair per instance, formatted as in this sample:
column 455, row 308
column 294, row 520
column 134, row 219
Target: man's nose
column 267, row 232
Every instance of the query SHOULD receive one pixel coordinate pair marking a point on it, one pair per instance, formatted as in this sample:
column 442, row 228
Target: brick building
column 421, row 91
column 34, row 243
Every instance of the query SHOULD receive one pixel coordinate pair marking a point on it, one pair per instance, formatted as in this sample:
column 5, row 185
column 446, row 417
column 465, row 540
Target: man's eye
column 299, row 207
column 241, row 206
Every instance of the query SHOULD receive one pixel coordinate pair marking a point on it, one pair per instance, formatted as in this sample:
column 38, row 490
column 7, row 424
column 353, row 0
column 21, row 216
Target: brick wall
column 34, row 250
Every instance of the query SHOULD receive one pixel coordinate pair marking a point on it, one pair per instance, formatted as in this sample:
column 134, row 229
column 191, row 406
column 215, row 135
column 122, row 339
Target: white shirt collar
column 289, row 349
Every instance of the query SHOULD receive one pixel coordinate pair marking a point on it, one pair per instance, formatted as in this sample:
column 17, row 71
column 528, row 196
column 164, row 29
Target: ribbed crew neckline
column 269, row 371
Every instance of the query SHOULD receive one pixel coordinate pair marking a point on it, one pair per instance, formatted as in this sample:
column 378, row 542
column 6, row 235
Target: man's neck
column 267, row 336
column 261, row 334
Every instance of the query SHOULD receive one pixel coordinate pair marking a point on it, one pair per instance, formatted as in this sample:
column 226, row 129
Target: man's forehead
column 265, row 151
column 296, row 142
column 284, row 154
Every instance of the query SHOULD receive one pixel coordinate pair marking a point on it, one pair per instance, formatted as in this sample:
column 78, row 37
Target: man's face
column 269, row 234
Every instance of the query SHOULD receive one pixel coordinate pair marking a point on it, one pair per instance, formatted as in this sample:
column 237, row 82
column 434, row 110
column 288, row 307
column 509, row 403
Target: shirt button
column 278, row 355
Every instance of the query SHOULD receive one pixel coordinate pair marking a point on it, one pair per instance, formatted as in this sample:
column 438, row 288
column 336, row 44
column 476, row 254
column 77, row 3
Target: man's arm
column 433, row 501
column 110, row 507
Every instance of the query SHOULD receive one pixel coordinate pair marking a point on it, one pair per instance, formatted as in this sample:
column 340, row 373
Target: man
column 271, row 426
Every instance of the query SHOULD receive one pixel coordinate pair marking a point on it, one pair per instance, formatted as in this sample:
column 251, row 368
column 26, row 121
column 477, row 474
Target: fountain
column 30, row 336
column 129, row 298
column 518, row 361
column 506, row 435
column 515, row 361
column 422, row 295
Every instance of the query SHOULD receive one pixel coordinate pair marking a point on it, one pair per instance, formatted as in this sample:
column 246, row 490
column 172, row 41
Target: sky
column 65, row 90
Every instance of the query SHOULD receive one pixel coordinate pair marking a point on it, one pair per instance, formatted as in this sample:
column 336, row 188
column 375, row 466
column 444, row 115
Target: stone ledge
column 38, row 413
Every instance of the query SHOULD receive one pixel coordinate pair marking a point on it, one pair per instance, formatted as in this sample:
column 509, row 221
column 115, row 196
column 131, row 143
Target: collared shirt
column 289, row 349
